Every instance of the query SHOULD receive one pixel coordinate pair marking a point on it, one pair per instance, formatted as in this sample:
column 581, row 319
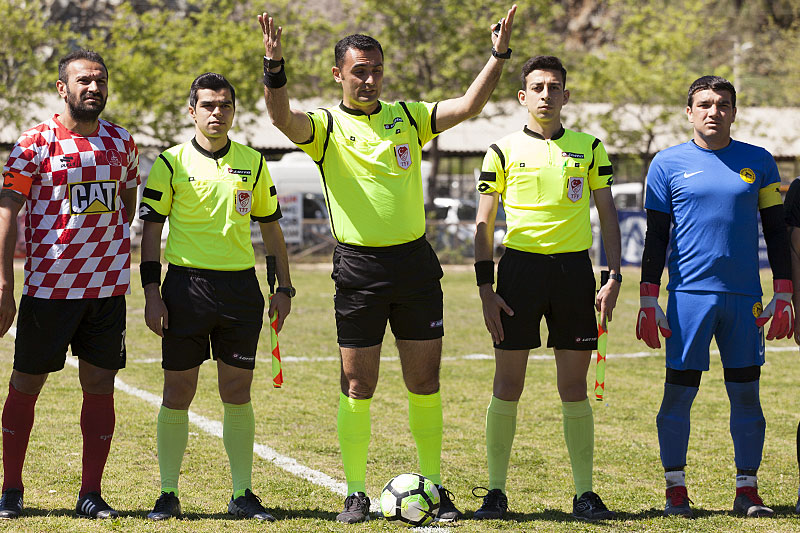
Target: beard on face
column 83, row 111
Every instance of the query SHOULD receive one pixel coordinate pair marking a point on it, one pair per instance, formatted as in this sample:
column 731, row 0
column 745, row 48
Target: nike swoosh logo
column 685, row 175
column 642, row 316
column 787, row 308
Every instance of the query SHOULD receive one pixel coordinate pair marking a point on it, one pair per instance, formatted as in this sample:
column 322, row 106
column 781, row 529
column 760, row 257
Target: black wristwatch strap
column 288, row 291
column 504, row 55
column 273, row 63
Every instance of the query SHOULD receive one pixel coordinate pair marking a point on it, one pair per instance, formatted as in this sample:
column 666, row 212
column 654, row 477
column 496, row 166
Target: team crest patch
column 747, row 175
column 92, row 197
column 403, row 154
column 244, row 202
column 575, row 191
column 757, row 309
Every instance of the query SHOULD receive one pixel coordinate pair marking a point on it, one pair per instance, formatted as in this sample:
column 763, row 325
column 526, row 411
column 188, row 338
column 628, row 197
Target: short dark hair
column 544, row 63
column 213, row 81
column 88, row 55
column 715, row 83
column 357, row 41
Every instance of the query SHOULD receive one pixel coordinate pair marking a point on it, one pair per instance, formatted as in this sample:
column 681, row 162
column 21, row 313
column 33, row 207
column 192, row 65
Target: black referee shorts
column 560, row 287
column 94, row 328
column 211, row 311
column 398, row 284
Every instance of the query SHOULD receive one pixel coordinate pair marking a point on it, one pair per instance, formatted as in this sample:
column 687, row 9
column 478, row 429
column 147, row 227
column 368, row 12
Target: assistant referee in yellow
column 369, row 155
column 545, row 174
column 211, row 303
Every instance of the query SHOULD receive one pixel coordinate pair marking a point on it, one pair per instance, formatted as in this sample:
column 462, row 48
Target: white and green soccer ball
column 411, row 499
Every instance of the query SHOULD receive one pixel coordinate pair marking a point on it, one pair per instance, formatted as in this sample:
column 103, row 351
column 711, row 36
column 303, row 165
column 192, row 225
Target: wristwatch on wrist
column 288, row 291
column 273, row 63
column 616, row 276
column 504, row 55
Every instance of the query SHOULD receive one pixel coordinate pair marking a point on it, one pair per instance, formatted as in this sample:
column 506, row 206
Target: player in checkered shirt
column 77, row 176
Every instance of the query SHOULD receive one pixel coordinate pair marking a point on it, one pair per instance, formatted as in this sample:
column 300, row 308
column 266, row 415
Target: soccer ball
column 410, row 498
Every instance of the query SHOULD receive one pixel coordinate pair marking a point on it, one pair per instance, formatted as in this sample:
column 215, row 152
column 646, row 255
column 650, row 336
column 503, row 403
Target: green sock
column 425, row 421
column 354, row 429
column 579, row 435
column 238, row 434
column 501, row 425
column 172, row 436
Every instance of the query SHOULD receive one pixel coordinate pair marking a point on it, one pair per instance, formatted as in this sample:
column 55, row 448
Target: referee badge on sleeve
column 575, row 189
column 403, row 154
column 244, row 201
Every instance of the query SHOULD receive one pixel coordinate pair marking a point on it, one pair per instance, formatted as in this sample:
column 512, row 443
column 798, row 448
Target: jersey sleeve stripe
column 273, row 191
column 258, row 174
column 488, row 176
column 595, row 144
column 164, row 159
column 313, row 130
column 499, row 154
column 152, row 194
column 606, row 170
column 433, row 119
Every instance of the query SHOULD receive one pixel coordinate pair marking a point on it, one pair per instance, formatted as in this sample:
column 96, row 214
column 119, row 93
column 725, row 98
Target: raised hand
column 272, row 37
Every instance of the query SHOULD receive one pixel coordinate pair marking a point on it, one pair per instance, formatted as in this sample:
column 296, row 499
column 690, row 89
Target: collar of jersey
column 212, row 155
column 721, row 150
column 358, row 111
column 558, row 134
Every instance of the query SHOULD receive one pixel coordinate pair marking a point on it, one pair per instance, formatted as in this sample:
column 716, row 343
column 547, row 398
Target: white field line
column 478, row 356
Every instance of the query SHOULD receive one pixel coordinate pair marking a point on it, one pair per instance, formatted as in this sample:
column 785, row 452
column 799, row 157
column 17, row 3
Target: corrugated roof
column 776, row 129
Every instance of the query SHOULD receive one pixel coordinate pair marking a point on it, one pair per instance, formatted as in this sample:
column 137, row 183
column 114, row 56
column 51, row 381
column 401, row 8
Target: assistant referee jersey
column 210, row 199
column 545, row 186
column 370, row 167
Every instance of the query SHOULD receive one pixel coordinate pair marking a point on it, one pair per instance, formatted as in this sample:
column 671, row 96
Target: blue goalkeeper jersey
column 713, row 198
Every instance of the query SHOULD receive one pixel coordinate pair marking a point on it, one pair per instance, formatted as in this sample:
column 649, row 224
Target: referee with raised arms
column 369, row 154
column 211, row 303
column 545, row 175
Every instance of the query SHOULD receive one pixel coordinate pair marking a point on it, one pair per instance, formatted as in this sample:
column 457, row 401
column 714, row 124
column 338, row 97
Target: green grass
column 299, row 421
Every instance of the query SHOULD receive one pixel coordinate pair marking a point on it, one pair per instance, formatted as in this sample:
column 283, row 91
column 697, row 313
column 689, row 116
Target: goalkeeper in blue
column 712, row 189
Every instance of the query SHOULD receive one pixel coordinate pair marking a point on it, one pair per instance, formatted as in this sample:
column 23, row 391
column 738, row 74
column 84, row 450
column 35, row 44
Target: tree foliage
column 28, row 58
column 643, row 74
column 154, row 56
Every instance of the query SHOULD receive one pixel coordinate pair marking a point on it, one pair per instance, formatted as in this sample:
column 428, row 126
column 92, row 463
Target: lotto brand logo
column 395, row 121
column 70, row 161
column 437, row 323
column 92, row 197
column 239, row 171
column 241, row 357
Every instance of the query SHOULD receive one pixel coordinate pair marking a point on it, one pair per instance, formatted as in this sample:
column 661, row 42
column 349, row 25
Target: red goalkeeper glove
column 780, row 309
column 651, row 317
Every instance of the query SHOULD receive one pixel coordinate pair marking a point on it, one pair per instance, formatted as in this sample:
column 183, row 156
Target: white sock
column 675, row 478
column 746, row 481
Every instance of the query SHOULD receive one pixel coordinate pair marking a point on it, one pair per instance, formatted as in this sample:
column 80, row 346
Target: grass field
column 299, row 422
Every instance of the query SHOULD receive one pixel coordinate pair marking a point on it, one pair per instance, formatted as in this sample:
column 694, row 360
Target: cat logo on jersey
column 403, row 154
column 92, row 197
column 244, row 201
column 747, row 175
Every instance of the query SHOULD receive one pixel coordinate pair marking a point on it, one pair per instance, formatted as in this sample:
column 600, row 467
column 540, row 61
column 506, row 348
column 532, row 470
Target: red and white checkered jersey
column 77, row 233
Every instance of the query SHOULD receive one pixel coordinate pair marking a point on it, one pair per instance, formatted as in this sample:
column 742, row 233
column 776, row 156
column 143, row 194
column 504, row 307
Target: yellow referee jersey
column 370, row 170
column 545, row 186
column 210, row 199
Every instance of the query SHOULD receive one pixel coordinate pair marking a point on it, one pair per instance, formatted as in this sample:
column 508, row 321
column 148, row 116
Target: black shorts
column 211, row 310
column 94, row 328
column 396, row 283
column 560, row 287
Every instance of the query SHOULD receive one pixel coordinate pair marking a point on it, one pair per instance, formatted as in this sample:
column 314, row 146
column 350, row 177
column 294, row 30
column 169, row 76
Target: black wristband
column 275, row 80
column 484, row 272
column 504, row 55
column 150, row 272
column 272, row 63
